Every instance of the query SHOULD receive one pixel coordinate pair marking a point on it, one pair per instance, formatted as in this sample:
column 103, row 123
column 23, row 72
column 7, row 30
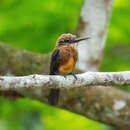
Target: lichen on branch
column 48, row 81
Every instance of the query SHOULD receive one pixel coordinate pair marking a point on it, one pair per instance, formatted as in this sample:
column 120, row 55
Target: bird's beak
column 78, row 40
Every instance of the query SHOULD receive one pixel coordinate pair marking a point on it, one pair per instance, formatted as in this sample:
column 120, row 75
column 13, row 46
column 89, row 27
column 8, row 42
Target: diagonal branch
column 85, row 79
column 12, row 59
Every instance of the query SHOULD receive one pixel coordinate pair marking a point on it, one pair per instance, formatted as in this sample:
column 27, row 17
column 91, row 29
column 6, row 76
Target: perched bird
column 63, row 60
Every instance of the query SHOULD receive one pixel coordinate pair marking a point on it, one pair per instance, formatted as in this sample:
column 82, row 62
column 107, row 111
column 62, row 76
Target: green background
column 35, row 26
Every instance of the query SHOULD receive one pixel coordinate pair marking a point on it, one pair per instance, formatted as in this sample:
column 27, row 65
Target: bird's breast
column 67, row 67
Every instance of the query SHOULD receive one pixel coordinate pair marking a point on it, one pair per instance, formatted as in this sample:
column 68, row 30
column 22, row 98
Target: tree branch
column 104, row 104
column 85, row 79
column 12, row 59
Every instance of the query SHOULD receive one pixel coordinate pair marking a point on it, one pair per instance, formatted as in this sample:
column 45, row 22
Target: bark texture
column 94, row 20
column 104, row 104
column 49, row 81
column 19, row 62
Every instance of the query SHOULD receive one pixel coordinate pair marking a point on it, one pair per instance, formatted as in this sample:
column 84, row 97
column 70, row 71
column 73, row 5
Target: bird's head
column 69, row 39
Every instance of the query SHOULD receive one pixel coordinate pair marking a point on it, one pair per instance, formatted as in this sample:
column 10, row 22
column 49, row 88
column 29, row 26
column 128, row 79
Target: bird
column 63, row 61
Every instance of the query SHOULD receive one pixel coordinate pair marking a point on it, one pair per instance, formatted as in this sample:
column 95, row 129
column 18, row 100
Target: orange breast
column 67, row 67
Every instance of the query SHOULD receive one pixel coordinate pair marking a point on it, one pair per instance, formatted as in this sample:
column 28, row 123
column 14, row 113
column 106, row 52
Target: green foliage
column 32, row 115
column 119, row 29
column 116, row 58
column 35, row 26
column 117, row 51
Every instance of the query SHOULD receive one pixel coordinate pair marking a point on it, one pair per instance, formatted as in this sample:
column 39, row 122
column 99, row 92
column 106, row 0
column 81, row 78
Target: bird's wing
column 54, row 64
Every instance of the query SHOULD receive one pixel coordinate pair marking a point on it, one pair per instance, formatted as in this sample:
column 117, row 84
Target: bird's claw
column 74, row 76
column 64, row 76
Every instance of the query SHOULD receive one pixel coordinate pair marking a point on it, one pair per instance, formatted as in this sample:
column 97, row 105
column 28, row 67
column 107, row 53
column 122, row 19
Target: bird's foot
column 64, row 76
column 73, row 75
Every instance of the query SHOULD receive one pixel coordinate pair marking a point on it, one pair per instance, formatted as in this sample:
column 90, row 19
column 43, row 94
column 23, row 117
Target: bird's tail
column 53, row 96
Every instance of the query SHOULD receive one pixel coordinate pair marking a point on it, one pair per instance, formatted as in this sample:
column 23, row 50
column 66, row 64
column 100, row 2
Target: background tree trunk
column 94, row 20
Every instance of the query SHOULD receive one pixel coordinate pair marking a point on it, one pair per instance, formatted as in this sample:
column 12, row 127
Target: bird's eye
column 66, row 41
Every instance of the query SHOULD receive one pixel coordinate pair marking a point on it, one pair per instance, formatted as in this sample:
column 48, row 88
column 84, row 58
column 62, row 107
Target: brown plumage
column 63, row 60
column 67, row 59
